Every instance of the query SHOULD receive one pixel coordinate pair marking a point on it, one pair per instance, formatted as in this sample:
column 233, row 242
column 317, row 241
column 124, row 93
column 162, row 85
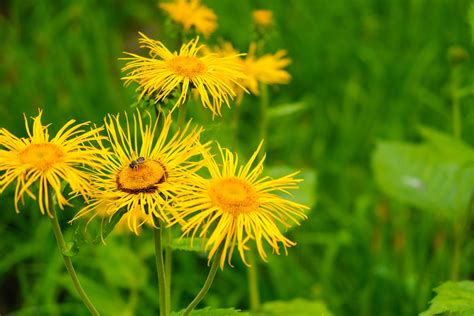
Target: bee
column 135, row 163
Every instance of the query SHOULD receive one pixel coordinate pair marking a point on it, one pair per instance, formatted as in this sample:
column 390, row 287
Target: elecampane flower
column 164, row 72
column 263, row 18
column 268, row 69
column 47, row 162
column 191, row 14
column 236, row 205
column 144, row 169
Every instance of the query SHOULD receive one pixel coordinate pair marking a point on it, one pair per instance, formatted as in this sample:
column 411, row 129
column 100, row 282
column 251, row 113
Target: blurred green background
column 363, row 71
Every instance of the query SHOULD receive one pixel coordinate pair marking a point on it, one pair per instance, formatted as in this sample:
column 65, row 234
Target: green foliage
column 185, row 244
column 208, row 311
column 306, row 193
column 296, row 307
column 437, row 175
column 366, row 70
column 455, row 298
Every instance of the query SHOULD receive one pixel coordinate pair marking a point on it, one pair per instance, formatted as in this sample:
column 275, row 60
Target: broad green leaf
column 185, row 244
column 456, row 298
column 437, row 175
column 84, row 233
column 208, row 311
column 296, row 307
column 306, row 193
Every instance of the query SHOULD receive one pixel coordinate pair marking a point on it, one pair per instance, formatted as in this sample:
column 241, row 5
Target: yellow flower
column 268, row 69
column 159, row 75
column 263, row 18
column 39, row 160
column 145, row 169
column 236, row 205
column 191, row 14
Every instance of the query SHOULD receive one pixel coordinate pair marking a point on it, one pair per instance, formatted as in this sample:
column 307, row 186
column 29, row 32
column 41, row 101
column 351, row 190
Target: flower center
column 233, row 195
column 41, row 156
column 143, row 178
column 187, row 66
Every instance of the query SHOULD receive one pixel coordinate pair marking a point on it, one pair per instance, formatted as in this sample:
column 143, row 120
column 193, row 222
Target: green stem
column 455, row 103
column 456, row 112
column 252, row 276
column 456, row 118
column 168, row 264
column 264, row 103
column 182, row 113
column 252, row 273
column 160, row 268
column 207, row 285
column 235, row 126
column 68, row 262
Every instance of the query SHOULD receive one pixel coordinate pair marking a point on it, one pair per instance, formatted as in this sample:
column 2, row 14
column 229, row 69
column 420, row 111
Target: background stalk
column 68, row 262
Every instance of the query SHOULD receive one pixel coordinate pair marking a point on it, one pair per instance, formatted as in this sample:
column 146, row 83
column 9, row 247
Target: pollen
column 142, row 179
column 41, row 156
column 233, row 195
column 187, row 66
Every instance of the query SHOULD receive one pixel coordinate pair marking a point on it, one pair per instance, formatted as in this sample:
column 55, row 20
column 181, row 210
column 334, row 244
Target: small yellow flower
column 263, row 18
column 37, row 159
column 164, row 72
column 145, row 169
column 268, row 69
column 236, row 205
column 192, row 14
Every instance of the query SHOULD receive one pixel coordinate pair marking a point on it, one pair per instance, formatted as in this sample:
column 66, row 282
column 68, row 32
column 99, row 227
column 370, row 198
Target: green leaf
column 296, row 307
column 456, row 298
column 436, row 176
column 208, row 311
column 107, row 226
column 185, row 244
column 121, row 266
column 306, row 193
column 287, row 109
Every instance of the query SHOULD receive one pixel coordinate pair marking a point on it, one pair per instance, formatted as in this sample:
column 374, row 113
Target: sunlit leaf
column 306, row 193
column 437, row 175
column 455, row 298
column 208, row 311
column 296, row 307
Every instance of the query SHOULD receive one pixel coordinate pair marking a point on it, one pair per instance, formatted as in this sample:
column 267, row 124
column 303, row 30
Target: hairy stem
column 68, row 262
column 160, row 268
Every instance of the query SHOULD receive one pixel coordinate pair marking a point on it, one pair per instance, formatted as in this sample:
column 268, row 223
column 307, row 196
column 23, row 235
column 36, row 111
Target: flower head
column 268, row 69
column 164, row 72
column 46, row 162
column 145, row 169
column 263, row 18
column 191, row 14
column 236, row 205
